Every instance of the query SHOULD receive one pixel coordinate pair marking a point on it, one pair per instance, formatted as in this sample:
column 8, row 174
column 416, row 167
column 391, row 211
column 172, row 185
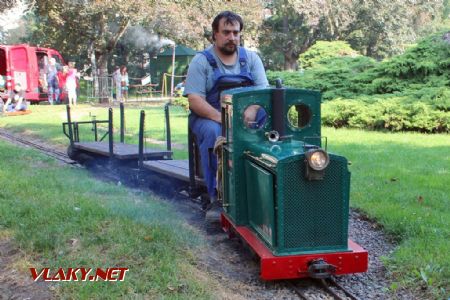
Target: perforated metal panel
column 261, row 204
column 314, row 214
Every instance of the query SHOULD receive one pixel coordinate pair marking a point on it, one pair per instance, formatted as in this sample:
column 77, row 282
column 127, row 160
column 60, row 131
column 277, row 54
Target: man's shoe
column 205, row 202
column 213, row 212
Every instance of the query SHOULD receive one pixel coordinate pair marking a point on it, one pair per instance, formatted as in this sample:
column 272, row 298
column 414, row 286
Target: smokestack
column 278, row 108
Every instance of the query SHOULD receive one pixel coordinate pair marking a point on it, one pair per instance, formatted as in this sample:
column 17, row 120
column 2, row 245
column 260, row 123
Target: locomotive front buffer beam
column 317, row 265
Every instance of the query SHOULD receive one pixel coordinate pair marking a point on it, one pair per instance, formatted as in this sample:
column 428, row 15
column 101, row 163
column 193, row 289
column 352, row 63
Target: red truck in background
column 26, row 65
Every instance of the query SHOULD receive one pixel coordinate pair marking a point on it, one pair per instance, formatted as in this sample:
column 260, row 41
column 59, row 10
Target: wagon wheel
column 72, row 152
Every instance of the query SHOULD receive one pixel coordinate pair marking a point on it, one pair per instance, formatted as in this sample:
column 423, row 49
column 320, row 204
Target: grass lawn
column 403, row 181
column 61, row 217
column 400, row 179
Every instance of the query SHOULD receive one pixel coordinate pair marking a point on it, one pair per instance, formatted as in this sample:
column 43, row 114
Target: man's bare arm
column 203, row 109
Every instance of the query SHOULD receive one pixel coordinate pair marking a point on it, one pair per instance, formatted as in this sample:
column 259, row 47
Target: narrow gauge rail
column 325, row 285
column 59, row 155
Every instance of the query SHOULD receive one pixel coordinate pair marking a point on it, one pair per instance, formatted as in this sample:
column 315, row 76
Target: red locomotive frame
column 297, row 266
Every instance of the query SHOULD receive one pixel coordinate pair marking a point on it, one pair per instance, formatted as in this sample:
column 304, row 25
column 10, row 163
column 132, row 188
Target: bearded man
column 221, row 66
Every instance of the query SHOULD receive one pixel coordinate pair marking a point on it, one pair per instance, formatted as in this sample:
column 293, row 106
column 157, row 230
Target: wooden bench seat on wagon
column 178, row 169
column 122, row 151
column 187, row 170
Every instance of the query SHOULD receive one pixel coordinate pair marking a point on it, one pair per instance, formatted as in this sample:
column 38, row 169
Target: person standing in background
column 124, row 82
column 52, row 81
column 179, row 88
column 72, row 83
column 117, row 82
column 62, row 75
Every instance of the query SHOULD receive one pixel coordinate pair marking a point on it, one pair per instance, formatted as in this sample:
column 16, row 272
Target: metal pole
column 168, row 137
column 122, row 122
column 141, row 138
column 95, row 131
column 173, row 71
column 192, row 182
column 110, row 128
column 76, row 132
column 223, row 114
column 278, row 108
column 69, row 121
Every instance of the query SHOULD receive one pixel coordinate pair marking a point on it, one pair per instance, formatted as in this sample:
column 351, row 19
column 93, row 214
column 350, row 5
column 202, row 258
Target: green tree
column 295, row 25
column 377, row 28
column 383, row 27
column 189, row 21
column 86, row 26
column 7, row 4
column 11, row 23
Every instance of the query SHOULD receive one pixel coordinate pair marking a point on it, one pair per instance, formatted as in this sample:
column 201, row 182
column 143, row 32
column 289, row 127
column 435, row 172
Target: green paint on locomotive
column 264, row 182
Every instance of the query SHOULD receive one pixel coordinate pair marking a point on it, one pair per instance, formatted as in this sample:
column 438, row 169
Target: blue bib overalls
column 207, row 131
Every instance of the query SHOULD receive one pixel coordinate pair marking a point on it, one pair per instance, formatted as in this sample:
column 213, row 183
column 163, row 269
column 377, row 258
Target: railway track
column 308, row 289
column 323, row 289
column 45, row 149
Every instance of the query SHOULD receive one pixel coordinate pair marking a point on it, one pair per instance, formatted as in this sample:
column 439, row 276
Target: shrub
column 181, row 101
column 428, row 63
column 322, row 50
column 334, row 77
column 393, row 114
column 407, row 92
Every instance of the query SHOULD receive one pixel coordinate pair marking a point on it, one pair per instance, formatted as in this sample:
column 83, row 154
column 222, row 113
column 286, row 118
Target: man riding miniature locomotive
column 283, row 194
column 222, row 66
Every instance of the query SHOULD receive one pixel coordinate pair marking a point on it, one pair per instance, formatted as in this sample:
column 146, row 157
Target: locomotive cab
column 281, row 190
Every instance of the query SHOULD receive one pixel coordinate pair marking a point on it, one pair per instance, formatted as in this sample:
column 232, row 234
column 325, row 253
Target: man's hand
column 250, row 115
column 203, row 109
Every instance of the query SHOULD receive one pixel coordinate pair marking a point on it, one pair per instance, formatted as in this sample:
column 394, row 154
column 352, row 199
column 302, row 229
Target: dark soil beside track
column 229, row 263
column 15, row 282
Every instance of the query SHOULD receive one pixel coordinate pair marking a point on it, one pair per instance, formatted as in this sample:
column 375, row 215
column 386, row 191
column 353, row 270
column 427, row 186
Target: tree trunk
column 104, row 86
column 92, row 91
column 290, row 61
column 102, row 55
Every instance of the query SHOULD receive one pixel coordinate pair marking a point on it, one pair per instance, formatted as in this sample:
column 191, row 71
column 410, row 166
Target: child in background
column 124, row 82
column 71, row 83
column 117, row 82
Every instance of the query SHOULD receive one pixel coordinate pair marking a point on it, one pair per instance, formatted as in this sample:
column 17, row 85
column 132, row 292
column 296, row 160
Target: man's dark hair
column 230, row 18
